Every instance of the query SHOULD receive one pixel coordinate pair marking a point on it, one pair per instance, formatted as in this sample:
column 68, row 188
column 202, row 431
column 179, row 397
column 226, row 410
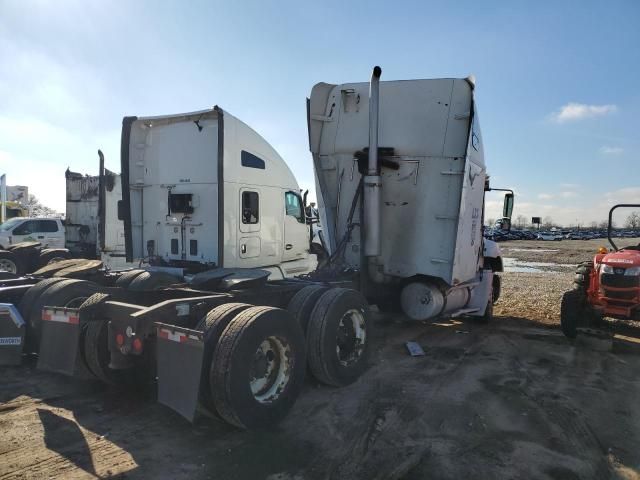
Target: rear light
column 137, row 345
column 119, row 339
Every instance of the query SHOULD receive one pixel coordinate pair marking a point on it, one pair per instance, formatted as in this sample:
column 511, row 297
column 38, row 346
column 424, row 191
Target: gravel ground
column 535, row 296
column 512, row 399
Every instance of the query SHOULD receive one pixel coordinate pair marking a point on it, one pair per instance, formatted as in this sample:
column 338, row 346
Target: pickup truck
column 49, row 232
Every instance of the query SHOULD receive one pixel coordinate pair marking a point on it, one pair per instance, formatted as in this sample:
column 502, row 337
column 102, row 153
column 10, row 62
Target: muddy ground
column 512, row 399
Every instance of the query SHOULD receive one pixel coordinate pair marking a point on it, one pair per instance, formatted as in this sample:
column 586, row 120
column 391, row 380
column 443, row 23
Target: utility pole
column 3, row 197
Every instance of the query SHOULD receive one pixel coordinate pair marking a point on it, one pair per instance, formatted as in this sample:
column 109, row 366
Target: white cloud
column 606, row 150
column 568, row 194
column 569, row 185
column 545, row 196
column 578, row 111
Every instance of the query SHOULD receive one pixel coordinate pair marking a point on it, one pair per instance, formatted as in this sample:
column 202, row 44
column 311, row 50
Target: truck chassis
column 234, row 345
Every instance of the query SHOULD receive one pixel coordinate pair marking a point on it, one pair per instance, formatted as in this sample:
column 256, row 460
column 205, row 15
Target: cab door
column 249, row 224
column 27, row 231
column 296, row 231
column 50, row 234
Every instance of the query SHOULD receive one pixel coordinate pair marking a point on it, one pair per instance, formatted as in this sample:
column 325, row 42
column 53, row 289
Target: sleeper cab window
column 250, row 160
column 293, row 206
column 250, row 208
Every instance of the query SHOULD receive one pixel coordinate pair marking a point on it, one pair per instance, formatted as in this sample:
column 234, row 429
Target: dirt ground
column 513, row 399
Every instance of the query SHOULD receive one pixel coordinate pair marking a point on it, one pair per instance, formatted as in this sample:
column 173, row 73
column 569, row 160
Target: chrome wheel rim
column 351, row 337
column 8, row 265
column 271, row 369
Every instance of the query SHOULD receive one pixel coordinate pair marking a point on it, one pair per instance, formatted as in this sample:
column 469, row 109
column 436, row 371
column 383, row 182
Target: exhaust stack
column 372, row 181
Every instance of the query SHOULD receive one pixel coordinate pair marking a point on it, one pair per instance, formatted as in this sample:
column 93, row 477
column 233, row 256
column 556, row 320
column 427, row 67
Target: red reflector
column 120, row 339
column 137, row 344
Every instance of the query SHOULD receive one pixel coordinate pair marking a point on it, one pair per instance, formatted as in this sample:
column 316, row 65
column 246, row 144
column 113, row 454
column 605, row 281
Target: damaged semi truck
column 230, row 310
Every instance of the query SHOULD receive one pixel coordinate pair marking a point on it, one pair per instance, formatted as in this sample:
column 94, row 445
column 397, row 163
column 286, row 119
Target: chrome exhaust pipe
column 372, row 181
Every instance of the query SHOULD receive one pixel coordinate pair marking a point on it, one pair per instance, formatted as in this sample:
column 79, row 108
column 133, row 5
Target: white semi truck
column 217, row 315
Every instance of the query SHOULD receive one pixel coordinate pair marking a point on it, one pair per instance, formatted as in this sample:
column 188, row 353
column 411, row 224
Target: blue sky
column 556, row 82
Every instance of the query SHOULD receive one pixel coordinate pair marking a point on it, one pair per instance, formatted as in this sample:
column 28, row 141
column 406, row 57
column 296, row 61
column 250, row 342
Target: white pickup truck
column 47, row 231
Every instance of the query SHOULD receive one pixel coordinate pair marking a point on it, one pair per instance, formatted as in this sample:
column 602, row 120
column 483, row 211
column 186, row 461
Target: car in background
column 550, row 236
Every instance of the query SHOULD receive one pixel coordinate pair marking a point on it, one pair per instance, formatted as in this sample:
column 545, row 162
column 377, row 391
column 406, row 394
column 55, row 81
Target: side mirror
column 507, row 208
column 120, row 209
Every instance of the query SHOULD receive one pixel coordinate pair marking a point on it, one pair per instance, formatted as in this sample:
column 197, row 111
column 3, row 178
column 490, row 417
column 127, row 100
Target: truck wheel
column 126, row 278
column 213, row 325
column 258, row 368
column 51, row 256
column 68, row 293
column 496, row 286
column 27, row 254
column 338, row 337
column 28, row 299
column 302, row 303
column 152, row 281
column 571, row 309
column 95, row 350
column 52, row 268
column 10, row 262
column 488, row 313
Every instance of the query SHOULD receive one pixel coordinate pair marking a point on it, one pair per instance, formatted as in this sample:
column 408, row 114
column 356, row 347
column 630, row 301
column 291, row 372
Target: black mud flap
column 59, row 340
column 179, row 356
column 12, row 328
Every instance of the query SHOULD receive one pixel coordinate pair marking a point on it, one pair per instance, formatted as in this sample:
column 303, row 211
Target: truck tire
column 571, row 309
column 52, row 268
column 338, row 337
column 488, row 313
column 258, row 368
column 126, row 278
column 68, row 293
column 496, row 287
column 152, row 281
column 27, row 254
column 302, row 303
column 81, row 269
column 213, row 325
column 12, row 263
column 29, row 298
column 96, row 354
column 52, row 255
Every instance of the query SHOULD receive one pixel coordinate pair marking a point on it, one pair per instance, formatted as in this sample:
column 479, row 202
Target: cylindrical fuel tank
column 422, row 300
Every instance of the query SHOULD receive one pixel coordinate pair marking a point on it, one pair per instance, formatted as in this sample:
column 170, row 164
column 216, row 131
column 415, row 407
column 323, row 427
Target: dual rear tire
column 255, row 358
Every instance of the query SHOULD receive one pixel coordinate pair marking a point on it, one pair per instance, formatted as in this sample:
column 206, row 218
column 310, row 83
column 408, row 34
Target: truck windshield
column 9, row 224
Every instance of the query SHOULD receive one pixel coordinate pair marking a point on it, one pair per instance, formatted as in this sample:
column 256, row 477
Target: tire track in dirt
column 577, row 433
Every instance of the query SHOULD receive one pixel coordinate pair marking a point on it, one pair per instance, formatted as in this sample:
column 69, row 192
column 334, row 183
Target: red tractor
column 607, row 286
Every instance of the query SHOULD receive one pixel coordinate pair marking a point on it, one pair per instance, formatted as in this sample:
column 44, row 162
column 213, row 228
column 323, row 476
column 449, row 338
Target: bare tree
column 490, row 222
column 521, row 221
column 603, row 224
column 547, row 222
column 37, row 209
column 633, row 221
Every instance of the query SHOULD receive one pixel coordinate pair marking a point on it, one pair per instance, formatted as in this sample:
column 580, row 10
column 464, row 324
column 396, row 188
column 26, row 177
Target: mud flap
column 59, row 340
column 481, row 294
column 12, row 328
column 179, row 361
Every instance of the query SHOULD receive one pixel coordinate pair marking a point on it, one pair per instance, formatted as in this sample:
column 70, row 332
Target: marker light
column 137, row 344
column 119, row 339
column 603, row 250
